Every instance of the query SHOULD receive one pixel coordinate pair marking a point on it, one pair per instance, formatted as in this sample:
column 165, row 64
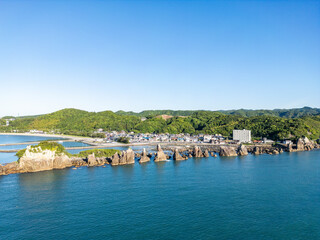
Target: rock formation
column 144, row 157
column 78, row 162
column 300, row 145
column 197, row 153
column 242, row 150
column 290, row 148
column 92, row 161
column 160, row 155
column 115, row 159
column 206, row 153
column 257, row 150
column 227, row 151
column 10, row 168
column 308, row 144
column 36, row 160
column 177, row 156
column 304, row 144
column 62, row 161
column 127, row 157
column 130, row 156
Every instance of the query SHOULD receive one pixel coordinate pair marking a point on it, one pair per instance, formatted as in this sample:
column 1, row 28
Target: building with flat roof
column 242, row 135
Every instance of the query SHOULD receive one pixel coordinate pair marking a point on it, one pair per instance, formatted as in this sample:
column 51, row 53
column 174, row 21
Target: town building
column 242, row 135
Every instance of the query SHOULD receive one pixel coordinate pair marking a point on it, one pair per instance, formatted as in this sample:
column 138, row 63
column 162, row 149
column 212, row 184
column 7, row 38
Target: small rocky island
column 50, row 155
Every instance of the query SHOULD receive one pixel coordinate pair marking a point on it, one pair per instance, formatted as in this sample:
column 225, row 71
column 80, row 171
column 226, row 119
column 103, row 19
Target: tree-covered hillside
column 287, row 113
column 153, row 113
column 83, row 123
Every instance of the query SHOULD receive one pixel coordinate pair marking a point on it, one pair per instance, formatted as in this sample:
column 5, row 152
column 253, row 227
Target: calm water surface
column 253, row 197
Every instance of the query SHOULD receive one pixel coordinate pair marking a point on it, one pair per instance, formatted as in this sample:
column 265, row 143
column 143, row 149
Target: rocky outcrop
column 10, row 168
column 227, row 151
column 92, row 161
column 36, row 160
column 130, row 156
column 206, row 153
column 144, row 157
column 160, row 155
column 78, row 162
column 308, row 144
column 242, row 150
column 300, row 145
column 177, row 156
column 257, row 150
column 115, row 159
column 197, row 153
column 127, row 157
column 62, row 161
column 290, row 148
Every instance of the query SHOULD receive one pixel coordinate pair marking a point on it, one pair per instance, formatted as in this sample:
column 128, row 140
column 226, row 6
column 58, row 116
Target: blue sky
column 137, row 55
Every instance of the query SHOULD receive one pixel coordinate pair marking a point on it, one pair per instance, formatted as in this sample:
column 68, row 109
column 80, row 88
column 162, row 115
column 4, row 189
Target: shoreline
column 90, row 141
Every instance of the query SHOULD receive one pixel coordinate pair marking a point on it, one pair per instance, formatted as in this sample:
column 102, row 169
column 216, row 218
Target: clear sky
column 137, row 55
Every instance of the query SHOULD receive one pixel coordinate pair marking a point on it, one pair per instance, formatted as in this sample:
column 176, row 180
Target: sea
column 251, row 197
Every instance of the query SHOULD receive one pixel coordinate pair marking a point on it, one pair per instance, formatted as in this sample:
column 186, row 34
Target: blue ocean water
column 22, row 138
column 252, row 197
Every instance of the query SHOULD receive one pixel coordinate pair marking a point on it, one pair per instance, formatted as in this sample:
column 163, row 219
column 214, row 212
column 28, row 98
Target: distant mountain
column 286, row 113
column 153, row 113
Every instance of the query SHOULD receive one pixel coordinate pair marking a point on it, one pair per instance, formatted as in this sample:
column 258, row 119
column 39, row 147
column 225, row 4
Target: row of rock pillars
column 127, row 157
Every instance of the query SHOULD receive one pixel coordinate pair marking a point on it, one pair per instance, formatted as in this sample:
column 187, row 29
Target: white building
column 242, row 135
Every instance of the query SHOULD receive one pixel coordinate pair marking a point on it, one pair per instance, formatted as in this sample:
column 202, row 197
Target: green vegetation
column 273, row 124
column 153, row 113
column 53, row 146
column 123, row 140
column 98, row 153
column 287, row 113
column 20, row 153
column 45, row 145
column 2, row 121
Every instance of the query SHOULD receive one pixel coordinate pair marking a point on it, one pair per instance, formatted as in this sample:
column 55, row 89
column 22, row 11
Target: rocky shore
column 43, row 160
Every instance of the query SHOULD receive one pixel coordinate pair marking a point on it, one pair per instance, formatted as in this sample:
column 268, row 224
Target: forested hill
column 83, row 123
column 287, row 113
column 153, row 113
